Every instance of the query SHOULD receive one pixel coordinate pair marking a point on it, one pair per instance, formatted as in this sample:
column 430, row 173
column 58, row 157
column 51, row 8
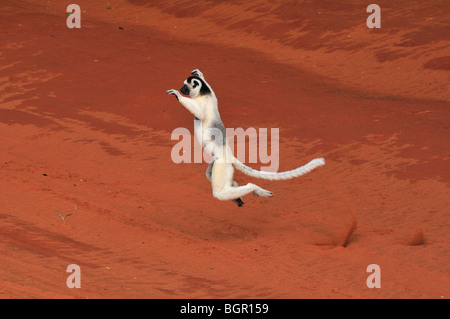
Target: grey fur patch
column 218, row 125
column 209, row 170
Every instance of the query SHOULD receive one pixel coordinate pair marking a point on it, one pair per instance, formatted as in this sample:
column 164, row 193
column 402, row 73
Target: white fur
column 220, row 171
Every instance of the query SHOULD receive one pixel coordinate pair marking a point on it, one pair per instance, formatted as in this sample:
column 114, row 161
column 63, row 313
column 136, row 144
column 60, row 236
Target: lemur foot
column 239, row 202
column 262, row 192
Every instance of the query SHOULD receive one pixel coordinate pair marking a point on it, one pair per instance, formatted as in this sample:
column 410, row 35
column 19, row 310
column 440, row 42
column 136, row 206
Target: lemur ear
column 195, row 83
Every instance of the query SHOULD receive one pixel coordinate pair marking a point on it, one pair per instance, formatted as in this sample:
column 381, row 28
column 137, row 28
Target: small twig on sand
column 67, row 215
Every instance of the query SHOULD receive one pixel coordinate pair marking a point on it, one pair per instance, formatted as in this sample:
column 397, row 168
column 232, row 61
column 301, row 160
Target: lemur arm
column 191, row 105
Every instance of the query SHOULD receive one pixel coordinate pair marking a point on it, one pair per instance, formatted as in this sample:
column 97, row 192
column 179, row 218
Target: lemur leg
column 237, row 201
column 222, row 184
column 191, row 105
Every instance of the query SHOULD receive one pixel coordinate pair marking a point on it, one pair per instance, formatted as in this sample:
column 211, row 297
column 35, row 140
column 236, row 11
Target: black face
column 185, row 90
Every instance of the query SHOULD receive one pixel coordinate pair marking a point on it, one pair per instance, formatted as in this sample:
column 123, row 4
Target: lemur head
column 194, row 87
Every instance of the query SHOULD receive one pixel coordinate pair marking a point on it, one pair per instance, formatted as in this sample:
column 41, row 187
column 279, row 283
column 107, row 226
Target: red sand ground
column 87, row 108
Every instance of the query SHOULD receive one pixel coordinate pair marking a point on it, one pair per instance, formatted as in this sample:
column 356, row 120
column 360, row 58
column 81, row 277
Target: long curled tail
column 273, row 176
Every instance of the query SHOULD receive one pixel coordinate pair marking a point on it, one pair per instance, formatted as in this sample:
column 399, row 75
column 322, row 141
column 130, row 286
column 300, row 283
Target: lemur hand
column 197, row 72
column 173, row 92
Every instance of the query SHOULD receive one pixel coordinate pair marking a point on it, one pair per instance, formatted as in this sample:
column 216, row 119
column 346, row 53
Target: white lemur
column 210, row 132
